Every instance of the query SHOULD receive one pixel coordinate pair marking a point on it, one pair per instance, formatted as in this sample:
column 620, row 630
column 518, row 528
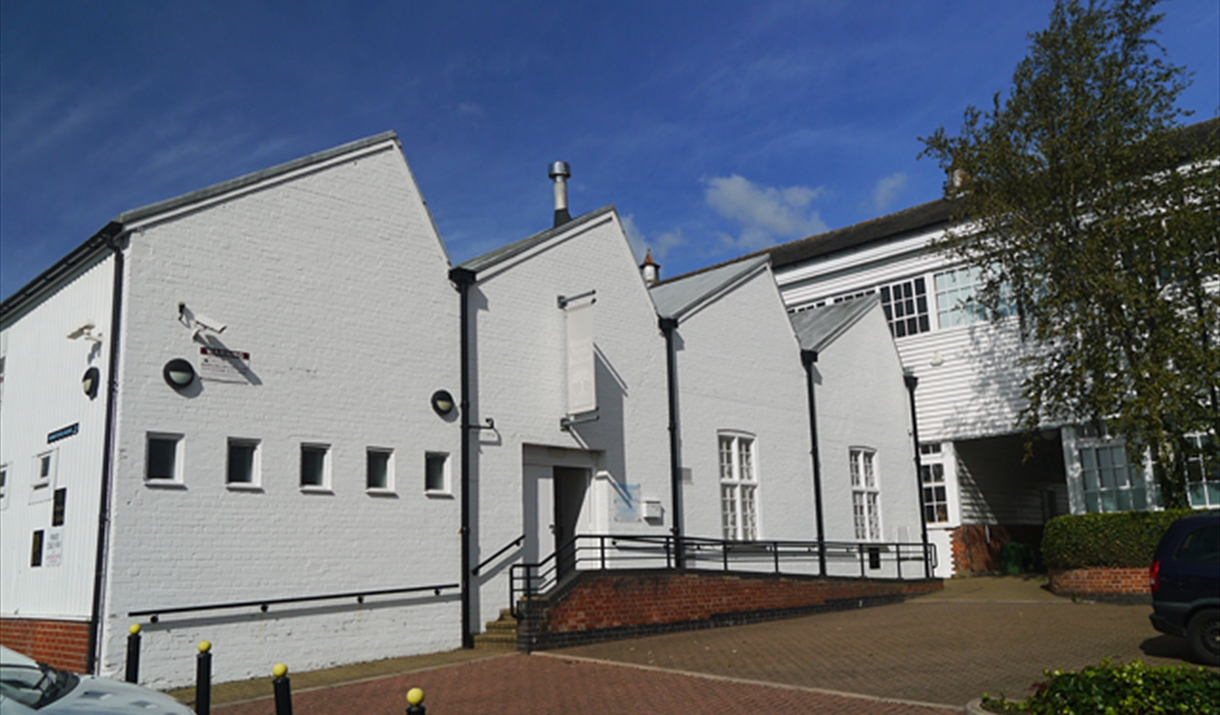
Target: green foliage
column 1092, row 214
column 1111, row 689
column 1126, row 539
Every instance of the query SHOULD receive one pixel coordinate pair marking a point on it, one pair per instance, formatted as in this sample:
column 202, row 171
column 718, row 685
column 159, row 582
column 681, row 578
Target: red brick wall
column 62, row 644
column 610, row 600
column 976, row 547
column 1100, row 581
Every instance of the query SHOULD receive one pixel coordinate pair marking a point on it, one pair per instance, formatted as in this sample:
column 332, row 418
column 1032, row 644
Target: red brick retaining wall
column 605, row 605
column 62, row 644
column 1100, row 582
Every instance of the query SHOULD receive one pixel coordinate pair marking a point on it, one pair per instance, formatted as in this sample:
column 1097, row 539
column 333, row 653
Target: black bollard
column 415, row 702
column 133, row 653
column 283, row 691
column 203, row 679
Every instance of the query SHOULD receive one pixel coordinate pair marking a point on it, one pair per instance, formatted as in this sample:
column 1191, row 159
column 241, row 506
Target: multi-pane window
column 242, row 468
column 436, row 473
column 906, row 307
column 1110, row 484
column 956, row 297
column 378, row 471
column 738, row 488
column 932, row 478
column 865, row 494
column 1203, row 472
column 163, row 459
column 315, row 466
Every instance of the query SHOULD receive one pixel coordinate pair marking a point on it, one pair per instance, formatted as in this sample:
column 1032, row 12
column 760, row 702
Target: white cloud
column 765, row 213
column 660, row 246
column 887, row 189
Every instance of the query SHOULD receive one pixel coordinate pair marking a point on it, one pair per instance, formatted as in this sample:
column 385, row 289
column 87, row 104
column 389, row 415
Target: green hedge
column 1131, row 689
column 1124, row 539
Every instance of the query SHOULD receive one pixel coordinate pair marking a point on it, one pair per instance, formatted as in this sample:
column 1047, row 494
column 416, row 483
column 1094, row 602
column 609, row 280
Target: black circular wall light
column 442, row 402
column 91, row 381
column 178, row 373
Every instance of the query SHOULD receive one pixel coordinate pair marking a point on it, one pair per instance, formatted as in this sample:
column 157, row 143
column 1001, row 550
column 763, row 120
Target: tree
column 1093, row 216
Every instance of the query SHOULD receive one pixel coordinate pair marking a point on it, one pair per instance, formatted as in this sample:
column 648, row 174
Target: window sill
column 164, row 484
column 243, row 487
column 434, row 494
column 381, row 492
column 316, row 490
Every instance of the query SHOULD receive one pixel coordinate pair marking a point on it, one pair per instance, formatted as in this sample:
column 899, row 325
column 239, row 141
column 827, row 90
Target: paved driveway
column 928, row 655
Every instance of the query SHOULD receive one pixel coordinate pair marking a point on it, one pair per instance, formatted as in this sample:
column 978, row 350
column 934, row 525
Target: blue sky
column 716, row 128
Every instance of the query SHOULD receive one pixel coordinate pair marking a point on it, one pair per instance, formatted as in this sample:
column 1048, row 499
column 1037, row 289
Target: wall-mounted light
column 90, row 381
column 442, row 402
column 178, row 373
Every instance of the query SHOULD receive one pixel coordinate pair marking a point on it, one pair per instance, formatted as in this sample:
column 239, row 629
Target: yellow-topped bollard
column 205, row 646
column 415, row 699
column 279, row 670
column 283, row 690
column 134, row 629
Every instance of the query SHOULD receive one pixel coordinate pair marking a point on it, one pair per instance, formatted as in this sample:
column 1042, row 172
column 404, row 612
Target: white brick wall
column 334, row 281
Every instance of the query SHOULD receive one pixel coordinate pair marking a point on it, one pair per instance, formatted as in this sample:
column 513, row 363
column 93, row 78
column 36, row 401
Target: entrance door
column 571, row 484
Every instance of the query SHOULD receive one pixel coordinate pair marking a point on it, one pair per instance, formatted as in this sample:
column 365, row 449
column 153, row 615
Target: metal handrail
column 265, row 603
column 515, row 542
column 615, row 550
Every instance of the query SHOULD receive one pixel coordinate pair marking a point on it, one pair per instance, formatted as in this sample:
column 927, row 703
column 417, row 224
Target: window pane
column 313, row 466
column 162, row 454
column 241, row 463
column 377, row 469
column 434, row 473
column 1091, row 502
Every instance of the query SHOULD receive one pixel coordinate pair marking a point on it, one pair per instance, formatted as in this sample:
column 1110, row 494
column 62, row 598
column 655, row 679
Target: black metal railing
column 515, row 542
column 265, row 603
column 600, row 552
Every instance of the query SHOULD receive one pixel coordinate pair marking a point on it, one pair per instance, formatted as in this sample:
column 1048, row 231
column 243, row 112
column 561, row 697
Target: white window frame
column 176, row 479
column 1124, row 479
column 324, row 485
column 738, row 459
column 918, row 310
column 446, row 488
column 1208, row 484
column 255, row 482
column 388, row 486
column 932, row 482
column 865, row 493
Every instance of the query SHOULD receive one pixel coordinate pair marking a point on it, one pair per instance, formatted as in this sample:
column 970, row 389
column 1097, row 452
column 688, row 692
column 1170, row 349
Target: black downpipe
column 668, row 325
column 112, row 388
column 911, row 381
column 808, row 358
column 464, row 278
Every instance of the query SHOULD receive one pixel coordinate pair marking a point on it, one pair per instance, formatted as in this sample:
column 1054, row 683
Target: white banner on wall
column 582, row 390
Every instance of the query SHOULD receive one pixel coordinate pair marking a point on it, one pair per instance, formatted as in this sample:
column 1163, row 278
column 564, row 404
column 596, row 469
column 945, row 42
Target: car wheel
column 1203, row 634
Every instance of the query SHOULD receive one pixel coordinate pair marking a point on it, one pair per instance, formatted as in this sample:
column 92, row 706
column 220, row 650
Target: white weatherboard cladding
column 863, row 402
column 519, row 352
column 42, row 393
column 739, row 370
column 334, row 282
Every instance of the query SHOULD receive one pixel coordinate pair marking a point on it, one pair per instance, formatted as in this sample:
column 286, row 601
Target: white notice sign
column 582, row 392
column 53, row 550
column 224, row 365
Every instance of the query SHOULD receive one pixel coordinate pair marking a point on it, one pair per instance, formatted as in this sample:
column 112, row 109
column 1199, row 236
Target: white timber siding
column 334, row 281
column 739, row 372
column 862, row 401
column 519, row 353
column 42, row 393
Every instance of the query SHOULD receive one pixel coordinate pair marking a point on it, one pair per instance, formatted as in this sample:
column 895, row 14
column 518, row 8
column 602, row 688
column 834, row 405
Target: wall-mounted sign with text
column 224, row 365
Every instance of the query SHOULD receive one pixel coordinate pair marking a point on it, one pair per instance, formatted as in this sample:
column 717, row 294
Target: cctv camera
column 207, row 323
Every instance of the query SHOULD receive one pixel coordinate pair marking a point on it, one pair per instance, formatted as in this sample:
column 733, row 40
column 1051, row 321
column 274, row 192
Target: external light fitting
column 90, row 381
column 442, row 402
column 178, row 373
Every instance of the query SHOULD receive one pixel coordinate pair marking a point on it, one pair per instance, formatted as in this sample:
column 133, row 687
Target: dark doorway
column 571, row 484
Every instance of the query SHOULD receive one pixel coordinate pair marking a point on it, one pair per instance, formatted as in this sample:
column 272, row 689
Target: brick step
column 501, row 634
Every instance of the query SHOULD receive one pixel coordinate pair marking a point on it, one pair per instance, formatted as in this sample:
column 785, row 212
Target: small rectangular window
column 44, row 475
column 378, row 473
column 242, row 467
column 163, row 461
column 3, row 486
column 315, row 467
column 36, row 550
column 436, row 473
column 60, row 507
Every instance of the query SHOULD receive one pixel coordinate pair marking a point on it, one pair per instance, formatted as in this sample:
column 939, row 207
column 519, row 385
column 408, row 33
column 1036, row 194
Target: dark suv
column 1185, row 580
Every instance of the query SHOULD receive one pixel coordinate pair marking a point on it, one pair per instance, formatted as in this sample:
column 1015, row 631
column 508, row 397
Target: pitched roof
column 503, row 253
column 917, row 218
column 678, row 296
column 97, row 243
column 817, row 328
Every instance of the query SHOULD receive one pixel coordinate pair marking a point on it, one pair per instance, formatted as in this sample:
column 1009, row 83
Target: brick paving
column 929, row 655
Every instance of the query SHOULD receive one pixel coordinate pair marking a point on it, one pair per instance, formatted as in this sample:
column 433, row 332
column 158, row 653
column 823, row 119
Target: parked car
column 1185, row 580
column 27, row 686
